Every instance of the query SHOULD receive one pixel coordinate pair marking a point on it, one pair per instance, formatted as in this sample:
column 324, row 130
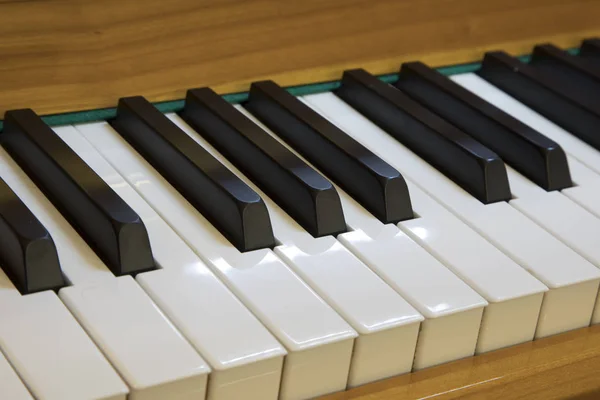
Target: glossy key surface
column 27, row 252
column 463, row 159
column 231, row 206
column 304, row 193
column 539, row 158
column 101, row 217
column 371, row 181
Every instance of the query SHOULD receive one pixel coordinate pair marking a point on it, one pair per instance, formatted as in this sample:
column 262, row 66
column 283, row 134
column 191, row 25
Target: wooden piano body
column 66, row 57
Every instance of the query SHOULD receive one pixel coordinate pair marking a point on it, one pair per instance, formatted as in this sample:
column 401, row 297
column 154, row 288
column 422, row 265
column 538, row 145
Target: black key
column 567, row 70
column 301, row 191
column 27, row 252
column 229, row 204
column 590, row 51
column 102, row 218
column 461, row 158
column 531, row 153
column 559, row 105
column 370, row 180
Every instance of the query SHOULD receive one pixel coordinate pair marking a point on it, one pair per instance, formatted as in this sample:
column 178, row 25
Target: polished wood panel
column 68, row 55
column 558, row 367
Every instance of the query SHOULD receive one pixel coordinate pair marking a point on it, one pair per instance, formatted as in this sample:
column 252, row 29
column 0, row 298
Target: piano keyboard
column 291, row 247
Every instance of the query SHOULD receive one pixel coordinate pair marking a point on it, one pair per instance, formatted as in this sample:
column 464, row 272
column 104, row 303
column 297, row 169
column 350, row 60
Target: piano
column 264, row 200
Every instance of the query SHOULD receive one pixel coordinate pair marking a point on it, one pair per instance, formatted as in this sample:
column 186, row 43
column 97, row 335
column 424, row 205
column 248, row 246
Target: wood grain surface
column 565, row 366
column 69, row 55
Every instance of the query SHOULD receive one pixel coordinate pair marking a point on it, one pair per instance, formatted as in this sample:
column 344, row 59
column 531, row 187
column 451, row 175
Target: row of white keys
column 583, row 159
column 572, row 280
column 49, row 351
column 197, row 302
column 318, row 340
column 514, row 295
column 388, row 326
column 150, row 354
column 453, row 310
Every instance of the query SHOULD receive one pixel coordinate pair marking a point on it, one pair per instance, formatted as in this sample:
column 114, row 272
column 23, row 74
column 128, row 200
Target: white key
column 566, row 220
column 51, row 353
column 584, row 160
column 531, row 247
column 452, row 308
column 197, row 302
column 11, row 386
column 387, row 324
column 586, row 196
column 106, row 305
column 213, row 320
column 318, row 340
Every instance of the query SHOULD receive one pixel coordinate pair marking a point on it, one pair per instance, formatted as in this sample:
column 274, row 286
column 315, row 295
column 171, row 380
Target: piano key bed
column 388, row 234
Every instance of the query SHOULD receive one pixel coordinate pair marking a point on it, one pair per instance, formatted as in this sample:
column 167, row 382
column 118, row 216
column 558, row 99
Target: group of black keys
column 457, row 132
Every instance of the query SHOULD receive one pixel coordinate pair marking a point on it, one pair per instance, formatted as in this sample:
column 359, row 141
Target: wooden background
column 67, row 55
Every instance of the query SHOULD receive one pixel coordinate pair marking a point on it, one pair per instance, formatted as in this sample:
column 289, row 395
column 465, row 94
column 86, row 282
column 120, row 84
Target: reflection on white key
column 51, row 353
column 387, row 324
column 452, row 308
column 11, row 386
column 530, row 246
column 319, row 341
column 106, row 305
column 197, row 302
